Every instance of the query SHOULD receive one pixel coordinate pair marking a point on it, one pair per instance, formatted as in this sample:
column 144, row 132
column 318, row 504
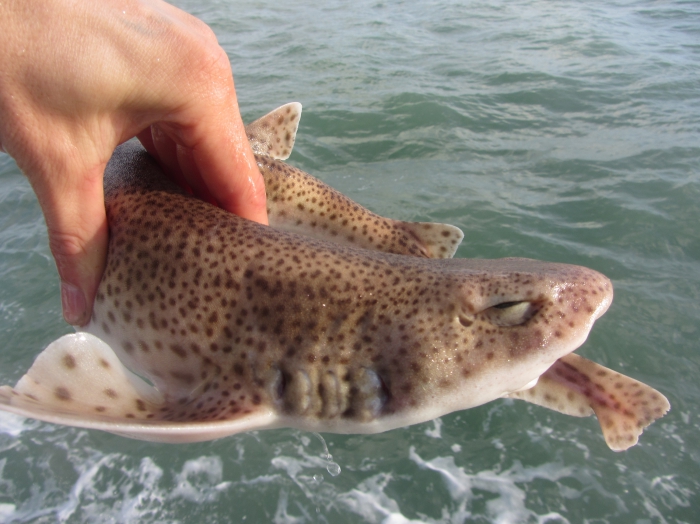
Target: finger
column 194, row 177
column 215, row 160
column 75, row 216
column 146, row 139
column 164, row 150
column 216, row 155
column 233, row 178
column 198, row 135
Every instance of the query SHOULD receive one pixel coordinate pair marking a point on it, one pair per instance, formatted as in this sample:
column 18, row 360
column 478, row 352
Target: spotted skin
column 84, row 374
column 237, row 305
column 300, row 203
column 273, row 135
column 228, row 318
column 579, row 387
column 241, row 326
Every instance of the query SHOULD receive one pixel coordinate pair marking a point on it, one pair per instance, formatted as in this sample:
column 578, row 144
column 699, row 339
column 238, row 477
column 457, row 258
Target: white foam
column 85, row 479
column 116, row 487
column 369, row 501
column 509, row 505
column 200, row 480
column 436, row 431
column 149, row 474
column 545, row 435
column 12, row 425
column 6, row 511
column 110, row 488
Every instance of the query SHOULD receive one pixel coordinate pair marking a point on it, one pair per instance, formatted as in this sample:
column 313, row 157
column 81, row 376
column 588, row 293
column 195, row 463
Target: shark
column 331, row 319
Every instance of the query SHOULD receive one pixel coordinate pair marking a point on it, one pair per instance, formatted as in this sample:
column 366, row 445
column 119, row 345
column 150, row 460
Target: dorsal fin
column 438, row 240
column 273, row 134
column 300, row 203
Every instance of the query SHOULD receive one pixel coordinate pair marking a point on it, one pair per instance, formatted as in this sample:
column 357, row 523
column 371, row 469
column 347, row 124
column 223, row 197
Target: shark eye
column 507, row 305
column 508, row 314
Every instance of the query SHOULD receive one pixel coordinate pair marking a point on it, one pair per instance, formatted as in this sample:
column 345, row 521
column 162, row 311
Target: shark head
column 487, row 329
column 408, row 344
column 206, row 324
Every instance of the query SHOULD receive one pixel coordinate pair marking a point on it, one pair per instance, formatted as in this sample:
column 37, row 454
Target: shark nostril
column 466, row 322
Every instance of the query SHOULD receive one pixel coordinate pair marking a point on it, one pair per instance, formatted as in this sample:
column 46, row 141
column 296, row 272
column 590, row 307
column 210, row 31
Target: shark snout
column 523, row 306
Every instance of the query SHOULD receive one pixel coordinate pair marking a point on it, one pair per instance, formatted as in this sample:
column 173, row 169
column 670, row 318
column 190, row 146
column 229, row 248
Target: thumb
column 73, row 206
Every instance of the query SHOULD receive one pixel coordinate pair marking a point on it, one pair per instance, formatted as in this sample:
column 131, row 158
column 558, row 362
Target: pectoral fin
column 579, row 387
column 79, row 381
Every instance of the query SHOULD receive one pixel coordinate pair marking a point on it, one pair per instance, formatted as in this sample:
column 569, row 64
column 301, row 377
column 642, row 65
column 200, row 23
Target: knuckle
column 207, row 63
column 66, row 247
column 199, row 42
column 213, row 64
column 205, row 32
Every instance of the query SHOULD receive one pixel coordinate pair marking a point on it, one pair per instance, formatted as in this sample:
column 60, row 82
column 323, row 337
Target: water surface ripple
column 553, row 130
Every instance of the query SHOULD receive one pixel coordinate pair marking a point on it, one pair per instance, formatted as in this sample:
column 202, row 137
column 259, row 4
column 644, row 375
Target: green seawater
column 563, row 131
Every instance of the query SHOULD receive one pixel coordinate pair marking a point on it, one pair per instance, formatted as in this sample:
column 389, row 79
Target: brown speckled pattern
column 273, row 135
column 243, row 327
column 225, row 315
column 577, row 386
column 300, row 203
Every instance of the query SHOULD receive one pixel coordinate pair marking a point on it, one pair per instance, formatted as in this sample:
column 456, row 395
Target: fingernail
column 73, row 302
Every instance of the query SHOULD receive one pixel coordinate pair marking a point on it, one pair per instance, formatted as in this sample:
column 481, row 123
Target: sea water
column 564, row 131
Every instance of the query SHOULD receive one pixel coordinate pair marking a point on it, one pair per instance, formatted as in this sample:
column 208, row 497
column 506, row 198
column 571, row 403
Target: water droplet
column 333, row 468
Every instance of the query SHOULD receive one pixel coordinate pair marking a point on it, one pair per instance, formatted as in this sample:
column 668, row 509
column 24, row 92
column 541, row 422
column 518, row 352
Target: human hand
column 79, row 78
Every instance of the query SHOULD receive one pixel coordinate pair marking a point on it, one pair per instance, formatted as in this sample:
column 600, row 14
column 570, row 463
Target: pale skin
column 79, row 77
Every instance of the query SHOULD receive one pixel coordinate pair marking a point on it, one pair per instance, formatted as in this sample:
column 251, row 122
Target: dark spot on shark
column 62, row 393
column 69, row 361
